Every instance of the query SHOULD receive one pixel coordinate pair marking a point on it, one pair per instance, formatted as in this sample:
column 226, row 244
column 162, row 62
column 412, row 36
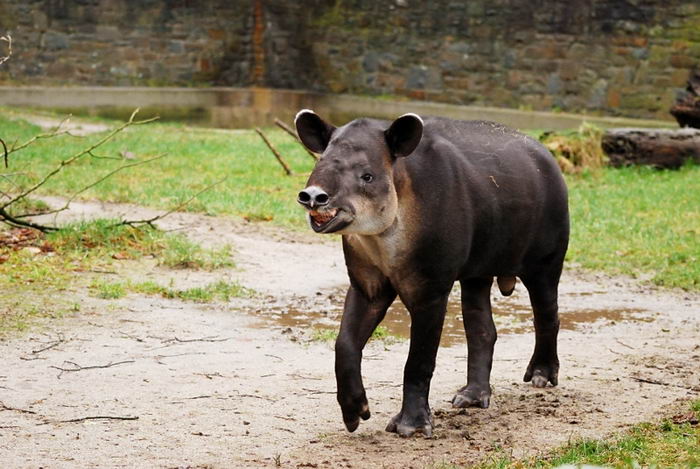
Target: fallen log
column 661, row 148
column 686, row 109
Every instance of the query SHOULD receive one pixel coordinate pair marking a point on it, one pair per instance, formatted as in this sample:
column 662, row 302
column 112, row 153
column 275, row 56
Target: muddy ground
column 241, row 385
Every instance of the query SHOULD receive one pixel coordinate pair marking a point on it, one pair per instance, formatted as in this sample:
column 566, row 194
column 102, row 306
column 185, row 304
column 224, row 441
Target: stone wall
column 620, row 57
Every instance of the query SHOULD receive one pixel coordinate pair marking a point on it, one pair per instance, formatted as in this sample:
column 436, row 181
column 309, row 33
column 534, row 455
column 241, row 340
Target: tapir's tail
column 506, row 285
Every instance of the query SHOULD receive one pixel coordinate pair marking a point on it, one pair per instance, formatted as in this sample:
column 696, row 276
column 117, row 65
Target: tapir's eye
column 367, row 177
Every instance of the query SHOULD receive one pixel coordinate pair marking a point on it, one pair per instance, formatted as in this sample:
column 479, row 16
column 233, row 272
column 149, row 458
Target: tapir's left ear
column 404, row 134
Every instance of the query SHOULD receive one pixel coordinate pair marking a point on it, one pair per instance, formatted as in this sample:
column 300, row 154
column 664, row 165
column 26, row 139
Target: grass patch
column 181, row 253
column 665, row 444
column 256, row 187
column 40, row 274
column 638, row 221
column 380, row 333
column 109, row 290
column 221, row 291
column 104, row 239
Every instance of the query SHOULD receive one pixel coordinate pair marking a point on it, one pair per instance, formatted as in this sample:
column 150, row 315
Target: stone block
column 554, row 84
column 613, row 98
column 54, row 40
column 682, row 61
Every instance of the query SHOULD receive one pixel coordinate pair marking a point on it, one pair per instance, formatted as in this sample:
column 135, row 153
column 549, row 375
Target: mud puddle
column 511, row 316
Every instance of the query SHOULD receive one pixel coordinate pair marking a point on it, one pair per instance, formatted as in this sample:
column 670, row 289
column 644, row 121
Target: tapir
column 422, row 202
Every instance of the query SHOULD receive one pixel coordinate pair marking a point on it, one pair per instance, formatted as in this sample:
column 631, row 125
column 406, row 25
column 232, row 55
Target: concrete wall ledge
column 246, row 107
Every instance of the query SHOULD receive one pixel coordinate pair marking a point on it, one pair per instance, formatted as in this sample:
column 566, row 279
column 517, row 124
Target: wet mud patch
column 511, row 315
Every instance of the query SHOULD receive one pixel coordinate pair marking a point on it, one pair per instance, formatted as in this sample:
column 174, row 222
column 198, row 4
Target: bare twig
column 50, row 346
column 77, row 367
column 8, row 40
column 662, row 383
column 274, row 152
column 17, row 223
column 97, row 417
column 317, row 391
column 287, row 129
column 203, row 339
column 624, row 344
column 54, row 133
column 15, row 409
column 4, row 151
column 149, row 221
column 102, row 157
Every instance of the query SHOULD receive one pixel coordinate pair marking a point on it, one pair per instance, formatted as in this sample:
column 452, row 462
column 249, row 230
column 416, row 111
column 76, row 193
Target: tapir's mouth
column 319, row 218
column 328, row 220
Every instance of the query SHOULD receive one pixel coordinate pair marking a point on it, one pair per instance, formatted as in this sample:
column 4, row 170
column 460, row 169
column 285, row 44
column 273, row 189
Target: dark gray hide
column 422, row 203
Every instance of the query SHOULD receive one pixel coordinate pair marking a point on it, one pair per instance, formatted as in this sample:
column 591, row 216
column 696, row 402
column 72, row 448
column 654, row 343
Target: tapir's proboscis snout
column 423, row 202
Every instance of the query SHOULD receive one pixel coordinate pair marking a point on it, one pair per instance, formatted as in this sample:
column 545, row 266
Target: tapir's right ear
column 313, row 131
column 404, row 134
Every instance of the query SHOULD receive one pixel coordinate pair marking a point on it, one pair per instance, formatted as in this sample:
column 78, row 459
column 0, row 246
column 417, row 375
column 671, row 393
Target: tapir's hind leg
column 544, row 364
column 481, row 337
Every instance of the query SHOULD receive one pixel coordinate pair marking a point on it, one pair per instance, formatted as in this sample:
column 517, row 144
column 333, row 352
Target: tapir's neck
column 388, row 250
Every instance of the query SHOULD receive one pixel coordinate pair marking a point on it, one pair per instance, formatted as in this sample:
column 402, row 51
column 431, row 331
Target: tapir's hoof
column 540, row 375
column 353, row 421
column 409, row 426
column 467, row 397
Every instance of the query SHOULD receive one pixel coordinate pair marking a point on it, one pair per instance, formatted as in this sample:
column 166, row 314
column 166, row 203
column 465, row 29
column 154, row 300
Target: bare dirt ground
column 240, row 385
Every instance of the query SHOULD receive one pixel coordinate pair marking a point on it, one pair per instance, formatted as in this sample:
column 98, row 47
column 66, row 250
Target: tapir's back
column 492, row 190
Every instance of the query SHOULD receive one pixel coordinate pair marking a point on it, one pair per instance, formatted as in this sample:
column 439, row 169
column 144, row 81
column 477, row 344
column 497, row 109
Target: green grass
column 329, row 335
column 664, row 444
column 221, row 290
column 638, row 221
column 109, row 290
column 41, row 278
column 634, row 221
column 106, row 238
column 256, row 187
column 181, row 253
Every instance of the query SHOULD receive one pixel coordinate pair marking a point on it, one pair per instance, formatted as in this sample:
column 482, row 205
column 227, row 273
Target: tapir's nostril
column 313, row 196
column 322, row 198
column 304, row 197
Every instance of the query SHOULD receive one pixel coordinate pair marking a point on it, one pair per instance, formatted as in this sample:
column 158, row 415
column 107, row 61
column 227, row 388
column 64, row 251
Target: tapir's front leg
column 361, row 316
column 427, row 317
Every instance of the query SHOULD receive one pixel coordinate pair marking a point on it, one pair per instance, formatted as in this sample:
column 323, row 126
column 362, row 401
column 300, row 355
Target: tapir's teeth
column 322, row 217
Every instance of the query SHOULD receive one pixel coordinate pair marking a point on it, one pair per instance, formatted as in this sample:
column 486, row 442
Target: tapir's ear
column 313, row 131
column 404, row 134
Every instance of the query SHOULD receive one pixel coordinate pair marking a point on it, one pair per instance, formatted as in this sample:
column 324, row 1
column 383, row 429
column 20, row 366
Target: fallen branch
column 15, row 409
column 274, row 152
column 287, row 129
column 662, row 383
column 77, row 367
column 18, row 223
column 624, row 344
column 4, row 151
column 48, row 347
column 204, row 339
column 149, row 221
column 96, row 417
